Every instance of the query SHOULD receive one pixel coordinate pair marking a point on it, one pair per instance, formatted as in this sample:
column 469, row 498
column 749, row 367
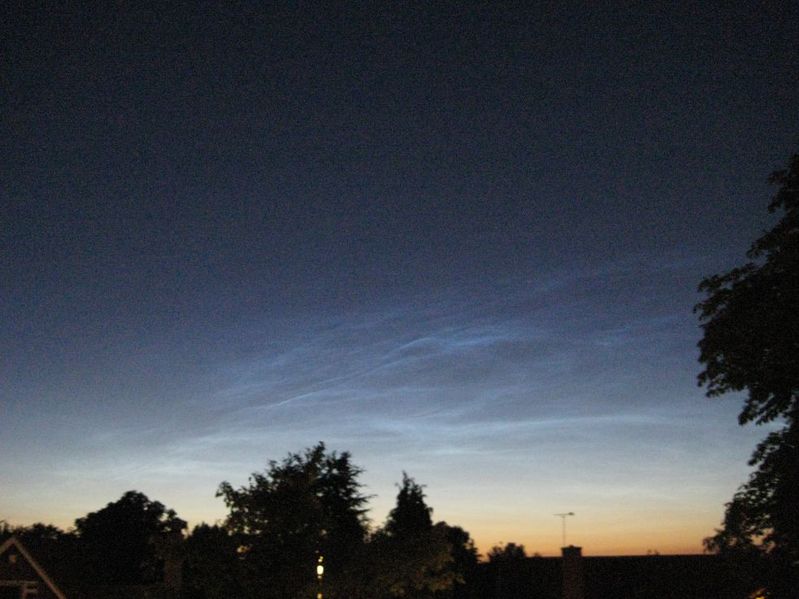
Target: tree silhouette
column 308, row 505
column 409, row 556
column 212, row 569
column 118, row 540
column 411, row 515
column 507, row 553
column 750, row 320
column 464, row 561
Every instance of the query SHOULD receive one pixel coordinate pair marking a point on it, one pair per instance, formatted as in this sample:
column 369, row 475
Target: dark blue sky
column 459, row 240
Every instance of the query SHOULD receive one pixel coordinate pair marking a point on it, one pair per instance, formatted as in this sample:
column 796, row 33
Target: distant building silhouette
column 624, row 577
column 21, row 577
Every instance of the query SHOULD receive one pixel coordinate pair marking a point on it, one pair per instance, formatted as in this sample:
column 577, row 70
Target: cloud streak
column 582, row 385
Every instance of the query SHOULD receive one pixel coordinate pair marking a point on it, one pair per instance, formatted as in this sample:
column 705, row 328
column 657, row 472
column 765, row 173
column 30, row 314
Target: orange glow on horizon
column 601, row 530
column 601, row 540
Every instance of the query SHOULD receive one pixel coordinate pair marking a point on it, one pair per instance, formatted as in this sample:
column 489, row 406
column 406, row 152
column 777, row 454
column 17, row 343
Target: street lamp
column 320, row 571
column 563, row 519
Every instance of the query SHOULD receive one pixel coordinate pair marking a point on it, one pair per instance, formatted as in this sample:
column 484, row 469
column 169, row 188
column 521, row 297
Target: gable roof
column 15, row 542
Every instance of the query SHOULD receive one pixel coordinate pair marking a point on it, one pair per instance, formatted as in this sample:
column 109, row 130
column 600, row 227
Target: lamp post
column 320, row 572
column 563, row 520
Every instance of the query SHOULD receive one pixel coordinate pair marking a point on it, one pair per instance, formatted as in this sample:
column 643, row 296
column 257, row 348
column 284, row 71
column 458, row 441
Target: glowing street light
column 563, row 519
column 320, row 571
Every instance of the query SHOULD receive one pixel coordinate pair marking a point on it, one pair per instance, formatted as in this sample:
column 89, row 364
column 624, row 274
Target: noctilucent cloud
column 463, row 242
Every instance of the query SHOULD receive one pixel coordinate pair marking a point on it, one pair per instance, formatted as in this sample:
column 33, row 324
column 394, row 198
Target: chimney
column 573, row 573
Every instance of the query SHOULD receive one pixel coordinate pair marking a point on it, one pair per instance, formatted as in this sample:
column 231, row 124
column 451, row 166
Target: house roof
column 17, row 544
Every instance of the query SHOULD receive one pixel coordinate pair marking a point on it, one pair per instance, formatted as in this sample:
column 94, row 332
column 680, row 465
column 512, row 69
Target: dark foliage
column 510, row 565
column 409, row 557
column 307, row 505
column 211, row 569
column 118, row 542
column 411, row 516
column 750, row 320
column 750, row 323
column 464, row 562
column 508, row 552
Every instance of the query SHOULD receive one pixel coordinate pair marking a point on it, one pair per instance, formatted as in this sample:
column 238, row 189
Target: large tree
column 750, row 320
column 464, row 562
column 411, row 516
column 120, row 541
column 409, row 556
column 212, row 566
column 307, row 506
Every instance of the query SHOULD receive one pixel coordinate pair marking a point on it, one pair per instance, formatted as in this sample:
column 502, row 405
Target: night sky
column 457, row 240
